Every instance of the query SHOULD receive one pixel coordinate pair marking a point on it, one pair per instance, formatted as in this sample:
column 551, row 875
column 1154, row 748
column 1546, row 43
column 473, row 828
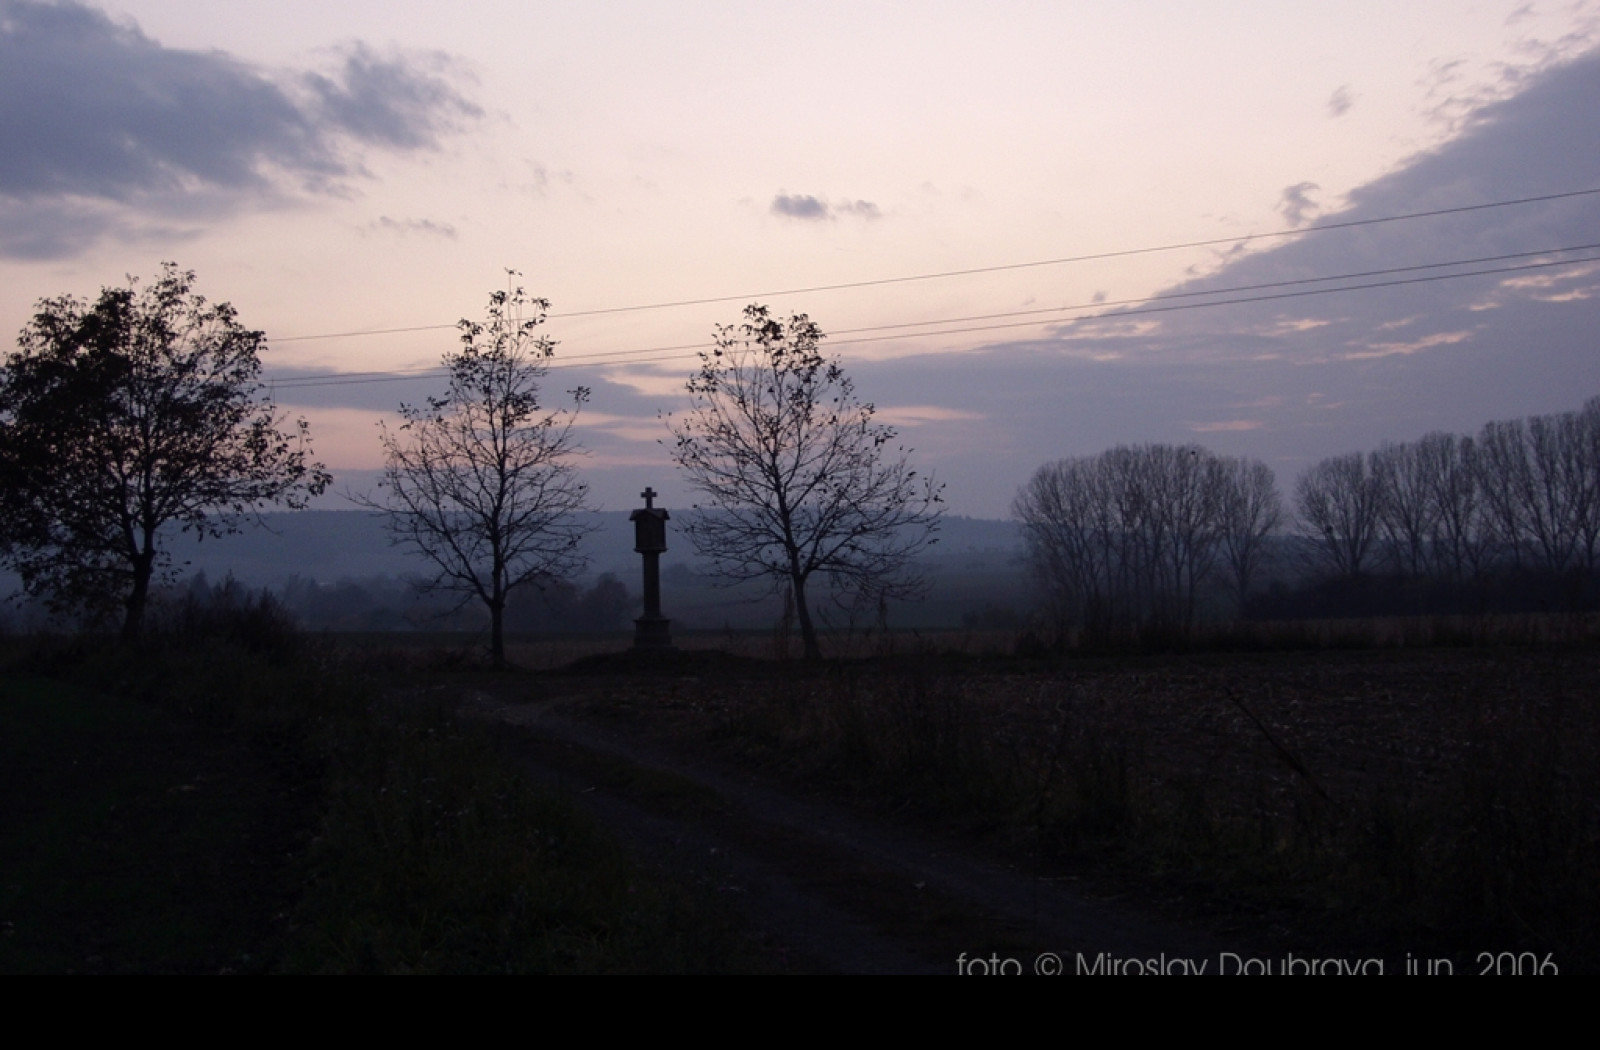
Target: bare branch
column 796, row 476
column 481, row 482
column 1127, row 539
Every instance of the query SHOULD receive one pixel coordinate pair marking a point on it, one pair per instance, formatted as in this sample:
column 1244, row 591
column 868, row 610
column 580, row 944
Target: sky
column 1031, row 230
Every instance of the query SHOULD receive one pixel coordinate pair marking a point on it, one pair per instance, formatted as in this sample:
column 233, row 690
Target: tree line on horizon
column 1151, row 539
column 1522, row 496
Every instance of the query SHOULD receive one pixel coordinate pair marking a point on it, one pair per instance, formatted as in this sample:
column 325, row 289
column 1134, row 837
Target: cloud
column 1545, row 288
column 422, row 226
column 1109, row 327
column 1227, row 426
column 104, row 132
column 403, row 103
column 1427, row 342
column 1296, row 205
column 1340, row 101
column 46, row 230
column 917, row 415
column 1333, row 372
column 797, row 206
column 1547, row 280
column 814, row 209
column 323, row 387
column 1289, row 326
column 1489, row 161
column 861, row 209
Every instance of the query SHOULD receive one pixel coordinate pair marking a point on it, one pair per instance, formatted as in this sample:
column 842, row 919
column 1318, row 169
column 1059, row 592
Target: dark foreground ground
column 918, row 812
column 1411, row 807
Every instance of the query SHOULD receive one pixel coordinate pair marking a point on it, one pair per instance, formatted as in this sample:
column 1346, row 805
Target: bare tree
column 1504, row 478
column 1538, row 486
column 1130, row 538
column 1461, row 539
column 481, row 482
column 1250, row 511
column 1171, row 495
column 1586, row 456
column 798, row 479
column 1339, row 502
column 1565, row 486
column 1407, row 508
column 1072, row 531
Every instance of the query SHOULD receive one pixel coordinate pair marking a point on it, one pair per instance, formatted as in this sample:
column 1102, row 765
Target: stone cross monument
column 652, row 630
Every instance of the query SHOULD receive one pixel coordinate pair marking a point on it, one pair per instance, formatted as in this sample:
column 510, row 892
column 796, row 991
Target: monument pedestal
column 652, row 630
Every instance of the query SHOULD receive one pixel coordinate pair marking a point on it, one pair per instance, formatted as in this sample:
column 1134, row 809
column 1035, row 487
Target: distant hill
column 973, row 571
column 332, row 544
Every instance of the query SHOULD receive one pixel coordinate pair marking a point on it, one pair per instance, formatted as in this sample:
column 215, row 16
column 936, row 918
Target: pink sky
column 373, row 166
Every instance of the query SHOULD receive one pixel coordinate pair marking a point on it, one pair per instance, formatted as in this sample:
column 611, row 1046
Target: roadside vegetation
column 233, row 798
column 1364, row 795
column 236, row 797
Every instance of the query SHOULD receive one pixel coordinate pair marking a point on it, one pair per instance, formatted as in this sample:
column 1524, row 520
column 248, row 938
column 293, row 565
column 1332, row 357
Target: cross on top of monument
column 648, row 494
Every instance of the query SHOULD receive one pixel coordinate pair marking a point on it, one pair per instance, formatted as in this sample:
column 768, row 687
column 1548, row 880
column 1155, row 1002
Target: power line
column 673, row 353
column 366, row 331
column 1259, row 298
column 1093, row 257
column 1103, row 304
column 1146, row 305
column 1002, row 268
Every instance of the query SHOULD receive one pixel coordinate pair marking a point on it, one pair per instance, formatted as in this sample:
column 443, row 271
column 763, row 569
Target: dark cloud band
column 103, row 129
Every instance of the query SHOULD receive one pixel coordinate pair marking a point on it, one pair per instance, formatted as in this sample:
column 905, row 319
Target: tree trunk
column 133, row 609
column 497, row 637
column 808, row 631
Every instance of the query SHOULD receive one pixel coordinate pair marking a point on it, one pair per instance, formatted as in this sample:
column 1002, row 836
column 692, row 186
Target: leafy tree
column 481, row 482
column 798, row 478
column 118, row 418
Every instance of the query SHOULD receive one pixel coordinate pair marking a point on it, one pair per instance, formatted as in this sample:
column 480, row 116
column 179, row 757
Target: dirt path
column 826, row 888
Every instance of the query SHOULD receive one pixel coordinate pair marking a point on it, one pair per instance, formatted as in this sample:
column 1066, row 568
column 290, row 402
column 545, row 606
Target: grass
column 1440, row 800
column 203, row 808
column 136, row 840
column 198, row 808
column 439, row 859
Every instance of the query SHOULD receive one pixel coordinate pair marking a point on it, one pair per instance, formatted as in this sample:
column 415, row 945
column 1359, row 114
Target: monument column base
column 652, row 632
